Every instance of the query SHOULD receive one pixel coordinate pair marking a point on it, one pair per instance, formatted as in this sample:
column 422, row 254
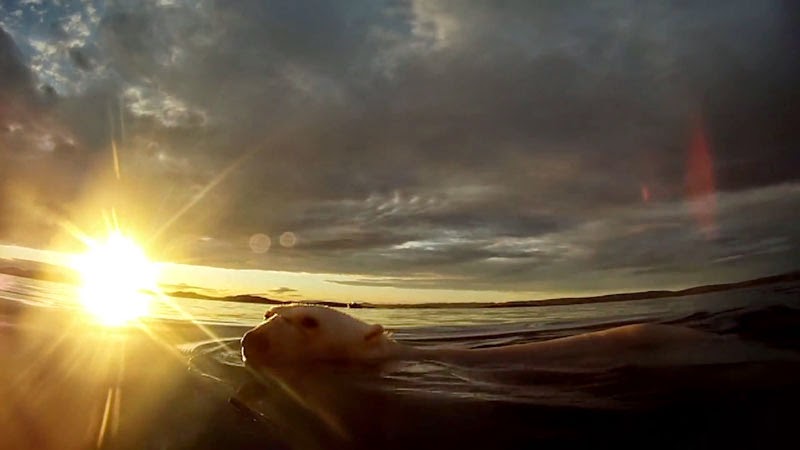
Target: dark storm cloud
column 494, row 145
column 23, row 117
column 615, row 252
column 355, row 241
column 80, row 59
column 17, row 79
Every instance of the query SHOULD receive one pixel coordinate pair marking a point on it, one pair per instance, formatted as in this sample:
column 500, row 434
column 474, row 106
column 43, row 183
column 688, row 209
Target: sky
column 420, row 150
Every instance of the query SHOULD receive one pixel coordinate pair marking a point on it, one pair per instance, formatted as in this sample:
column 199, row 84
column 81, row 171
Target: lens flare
column 700, row 190
column 115, row 276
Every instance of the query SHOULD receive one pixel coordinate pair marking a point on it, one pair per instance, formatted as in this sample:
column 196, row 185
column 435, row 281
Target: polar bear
column 297, row 334
column 314, row 333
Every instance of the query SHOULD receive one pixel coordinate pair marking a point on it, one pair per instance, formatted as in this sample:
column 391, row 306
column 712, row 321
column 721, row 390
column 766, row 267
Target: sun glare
column 114, row 277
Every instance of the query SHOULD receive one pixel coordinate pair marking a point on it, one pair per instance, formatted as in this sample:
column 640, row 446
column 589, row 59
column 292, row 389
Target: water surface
column 174, row 387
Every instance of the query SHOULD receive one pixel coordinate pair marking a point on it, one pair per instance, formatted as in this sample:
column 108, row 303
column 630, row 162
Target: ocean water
column 184, row 385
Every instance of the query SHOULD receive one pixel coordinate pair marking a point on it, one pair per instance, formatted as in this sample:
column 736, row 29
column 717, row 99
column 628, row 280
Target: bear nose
column 254, row 343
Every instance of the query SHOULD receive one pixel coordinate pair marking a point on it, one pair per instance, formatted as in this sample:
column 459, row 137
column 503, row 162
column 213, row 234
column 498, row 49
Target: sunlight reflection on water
column 43, row 293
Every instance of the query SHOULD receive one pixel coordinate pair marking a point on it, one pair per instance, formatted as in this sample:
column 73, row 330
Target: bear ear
column 373, row 332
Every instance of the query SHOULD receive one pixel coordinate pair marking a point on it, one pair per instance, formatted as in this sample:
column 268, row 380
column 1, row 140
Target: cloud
column 476, row 144
column 17, row 78
column 79, row 58
column 628, row 249
column 283, row 290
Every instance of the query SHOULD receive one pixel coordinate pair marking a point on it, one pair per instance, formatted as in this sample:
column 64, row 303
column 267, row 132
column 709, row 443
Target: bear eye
column 308, row 322
column 268, row 314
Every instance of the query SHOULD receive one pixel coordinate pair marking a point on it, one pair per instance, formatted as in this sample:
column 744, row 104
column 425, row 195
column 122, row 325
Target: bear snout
column 254, row 345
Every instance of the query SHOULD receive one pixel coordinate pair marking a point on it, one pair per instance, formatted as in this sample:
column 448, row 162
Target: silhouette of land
column 51, row 272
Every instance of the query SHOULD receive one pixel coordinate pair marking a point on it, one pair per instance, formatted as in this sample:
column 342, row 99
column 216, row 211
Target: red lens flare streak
column 700, row 187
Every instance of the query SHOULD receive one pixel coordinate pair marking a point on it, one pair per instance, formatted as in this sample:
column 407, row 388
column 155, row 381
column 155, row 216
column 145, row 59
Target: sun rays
column 118, row 287
column 116, row 278
column 116, row 303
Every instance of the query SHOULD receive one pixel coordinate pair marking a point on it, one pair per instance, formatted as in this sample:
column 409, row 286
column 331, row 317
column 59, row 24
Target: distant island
column 629, row 296
column 50, row 272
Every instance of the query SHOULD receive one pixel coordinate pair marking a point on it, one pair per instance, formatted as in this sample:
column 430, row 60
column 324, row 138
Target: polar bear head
column 307, row 333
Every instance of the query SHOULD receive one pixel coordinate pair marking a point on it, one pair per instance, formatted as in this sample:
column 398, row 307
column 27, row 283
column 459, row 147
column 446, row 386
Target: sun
column 115, row 275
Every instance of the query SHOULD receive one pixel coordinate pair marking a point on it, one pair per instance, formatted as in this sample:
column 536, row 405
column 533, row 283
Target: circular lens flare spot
column 288, row 239
column 114, row 277
column 259, row 243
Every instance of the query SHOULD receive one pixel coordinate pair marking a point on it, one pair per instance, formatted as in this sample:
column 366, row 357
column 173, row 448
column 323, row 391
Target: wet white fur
column 340, row 337
column 337, row 337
